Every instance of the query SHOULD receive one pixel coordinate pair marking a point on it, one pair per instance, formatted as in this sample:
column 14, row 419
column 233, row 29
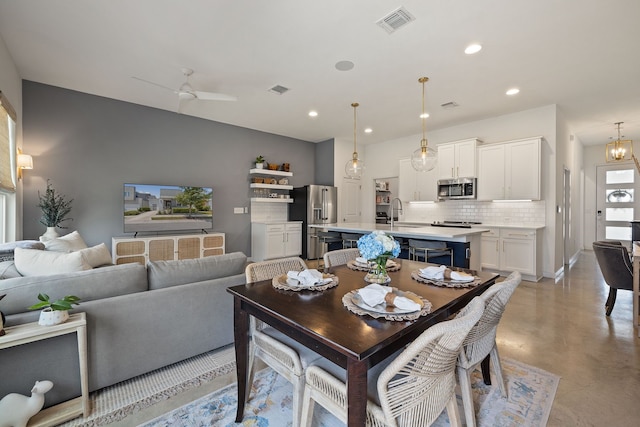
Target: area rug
column 531, row 393
column 116, row 402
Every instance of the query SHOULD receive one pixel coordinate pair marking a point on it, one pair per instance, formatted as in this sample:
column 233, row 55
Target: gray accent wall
column 324, row 154
column 88, row 146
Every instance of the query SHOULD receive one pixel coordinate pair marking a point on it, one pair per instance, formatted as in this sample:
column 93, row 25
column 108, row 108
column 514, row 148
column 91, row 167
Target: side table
column 31, row 332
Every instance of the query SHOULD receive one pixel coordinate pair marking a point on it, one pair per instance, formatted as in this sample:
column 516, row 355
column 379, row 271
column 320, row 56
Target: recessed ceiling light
column 368, row 130
column 313, row 113
column 513, row 91
column 424, row 116
column 344, row 65
column 473, row 48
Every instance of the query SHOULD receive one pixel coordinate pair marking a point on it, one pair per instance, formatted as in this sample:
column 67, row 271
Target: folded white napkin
column 375, row 294
column 442, row 272
column 362, row 261
column 433, row 273
column 308, row 278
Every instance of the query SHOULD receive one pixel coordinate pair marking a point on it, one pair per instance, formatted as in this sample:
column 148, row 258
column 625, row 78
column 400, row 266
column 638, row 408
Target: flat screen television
column 163, row 208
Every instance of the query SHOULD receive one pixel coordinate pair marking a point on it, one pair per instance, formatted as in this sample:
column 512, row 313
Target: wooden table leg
column 241, row 340
column 356, row 393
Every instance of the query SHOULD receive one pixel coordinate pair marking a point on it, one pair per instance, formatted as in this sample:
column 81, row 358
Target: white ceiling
column 579, row 54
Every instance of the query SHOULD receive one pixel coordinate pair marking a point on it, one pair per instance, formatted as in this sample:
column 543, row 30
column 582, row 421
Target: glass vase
column 378, row 273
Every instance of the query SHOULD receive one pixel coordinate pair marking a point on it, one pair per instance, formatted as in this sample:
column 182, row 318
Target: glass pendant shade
column 424, row 159
column 354, row 167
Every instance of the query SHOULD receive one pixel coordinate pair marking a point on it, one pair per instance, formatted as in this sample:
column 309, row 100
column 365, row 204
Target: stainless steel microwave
column 459, row 188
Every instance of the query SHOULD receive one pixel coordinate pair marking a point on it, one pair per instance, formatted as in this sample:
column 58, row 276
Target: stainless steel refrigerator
column 313, row 204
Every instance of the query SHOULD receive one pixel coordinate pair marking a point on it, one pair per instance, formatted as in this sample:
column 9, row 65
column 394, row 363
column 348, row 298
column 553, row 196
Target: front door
column 616, row 201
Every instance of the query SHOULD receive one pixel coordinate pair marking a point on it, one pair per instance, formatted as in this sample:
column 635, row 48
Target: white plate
column 380, row 308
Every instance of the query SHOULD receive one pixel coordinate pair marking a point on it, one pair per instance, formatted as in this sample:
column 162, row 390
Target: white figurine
column 16, row 409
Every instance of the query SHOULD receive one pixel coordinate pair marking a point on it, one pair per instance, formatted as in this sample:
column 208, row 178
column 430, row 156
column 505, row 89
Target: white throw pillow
column 68, row 243
column 33, row 262
column 97, row 255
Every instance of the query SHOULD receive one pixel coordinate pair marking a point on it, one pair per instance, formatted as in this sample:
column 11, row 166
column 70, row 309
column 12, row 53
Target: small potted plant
column 260, row 162
column 55, row 208
column 55, row 312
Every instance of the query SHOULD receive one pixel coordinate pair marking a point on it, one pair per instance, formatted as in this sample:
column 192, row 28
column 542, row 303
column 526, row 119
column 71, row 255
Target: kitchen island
column 470, row 236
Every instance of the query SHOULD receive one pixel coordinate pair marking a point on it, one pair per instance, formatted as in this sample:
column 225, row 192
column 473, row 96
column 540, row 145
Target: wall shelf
column 271, row 200
column 272, row 186
column 269, row 172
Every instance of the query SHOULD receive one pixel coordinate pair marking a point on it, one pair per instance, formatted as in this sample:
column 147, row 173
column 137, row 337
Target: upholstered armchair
column 617, row 270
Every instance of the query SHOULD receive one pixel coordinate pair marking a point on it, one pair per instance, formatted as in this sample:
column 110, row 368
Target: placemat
column 280, row 282
column 446, row 283
column 359, row 267
column 347, row 301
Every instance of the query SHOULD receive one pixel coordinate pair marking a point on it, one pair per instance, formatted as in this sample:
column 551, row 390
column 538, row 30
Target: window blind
column 7, row 148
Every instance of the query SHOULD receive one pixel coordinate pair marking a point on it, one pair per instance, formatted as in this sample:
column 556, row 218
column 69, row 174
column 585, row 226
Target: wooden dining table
column 320, row 321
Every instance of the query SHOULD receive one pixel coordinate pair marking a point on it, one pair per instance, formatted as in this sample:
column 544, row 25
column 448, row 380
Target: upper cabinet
column 417, row 186
column 510, row 170
column 457, row 159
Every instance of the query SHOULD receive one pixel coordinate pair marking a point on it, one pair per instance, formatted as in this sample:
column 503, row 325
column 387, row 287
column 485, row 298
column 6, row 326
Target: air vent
column 450, row 104
column 396, row 20
column 279, row 89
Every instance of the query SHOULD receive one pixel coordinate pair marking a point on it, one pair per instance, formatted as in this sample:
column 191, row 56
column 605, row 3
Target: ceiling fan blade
column 155, row 84
column 211, row 96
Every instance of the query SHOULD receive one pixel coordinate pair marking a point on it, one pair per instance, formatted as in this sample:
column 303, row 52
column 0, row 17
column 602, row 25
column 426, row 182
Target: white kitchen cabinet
column 457, row 159
column 275, row 240
column 513, row 249
column 416, row 186
column 165, row 248
column 510, row 171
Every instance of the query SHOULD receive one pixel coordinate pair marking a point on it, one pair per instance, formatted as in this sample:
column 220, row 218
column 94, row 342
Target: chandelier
column 355, row 166
column 424, row 158
column 619, row 150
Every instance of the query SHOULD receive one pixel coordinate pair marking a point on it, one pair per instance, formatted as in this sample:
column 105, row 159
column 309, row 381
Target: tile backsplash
column 516, row 213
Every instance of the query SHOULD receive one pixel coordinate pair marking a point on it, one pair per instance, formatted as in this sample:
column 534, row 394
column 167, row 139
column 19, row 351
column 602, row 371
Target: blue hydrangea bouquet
column 378, row 247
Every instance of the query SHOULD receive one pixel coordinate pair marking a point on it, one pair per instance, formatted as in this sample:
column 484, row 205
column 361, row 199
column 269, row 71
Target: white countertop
column 453, row 234
column 483, row 225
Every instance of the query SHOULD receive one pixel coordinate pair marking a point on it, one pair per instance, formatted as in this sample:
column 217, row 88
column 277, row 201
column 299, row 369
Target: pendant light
column 619, row 150
column 424, row 158
column 355, row 166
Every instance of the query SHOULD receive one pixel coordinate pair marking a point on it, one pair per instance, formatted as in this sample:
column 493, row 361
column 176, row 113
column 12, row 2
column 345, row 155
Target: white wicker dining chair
column 340, row 257
column 284, row 355
column 410, row 388
column 481, row 342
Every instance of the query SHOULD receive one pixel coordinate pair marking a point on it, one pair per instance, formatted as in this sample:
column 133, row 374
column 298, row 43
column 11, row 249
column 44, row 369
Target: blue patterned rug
column 531, row 393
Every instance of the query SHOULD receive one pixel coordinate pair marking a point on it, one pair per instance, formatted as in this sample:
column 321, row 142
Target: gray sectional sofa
column 138, row 319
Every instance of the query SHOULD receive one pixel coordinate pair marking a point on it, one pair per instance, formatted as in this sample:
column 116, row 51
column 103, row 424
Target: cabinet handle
column 497, row 247
column 518, row 235
column 452, row 175
column 457, row 171
column 503, row 246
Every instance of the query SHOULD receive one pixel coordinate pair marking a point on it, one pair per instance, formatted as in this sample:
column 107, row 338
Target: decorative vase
column 50, row 234
column 378, row 273
column 259, row 165
column 50, row 317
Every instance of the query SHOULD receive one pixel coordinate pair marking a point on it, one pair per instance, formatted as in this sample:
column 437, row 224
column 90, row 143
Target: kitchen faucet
column 391, row 208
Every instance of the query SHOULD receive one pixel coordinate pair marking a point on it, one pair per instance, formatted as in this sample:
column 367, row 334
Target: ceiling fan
column 187, row 93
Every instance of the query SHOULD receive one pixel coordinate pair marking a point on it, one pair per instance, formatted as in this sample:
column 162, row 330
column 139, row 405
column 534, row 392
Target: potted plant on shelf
column 55, row 312
column 55, row 208
column 259, row 162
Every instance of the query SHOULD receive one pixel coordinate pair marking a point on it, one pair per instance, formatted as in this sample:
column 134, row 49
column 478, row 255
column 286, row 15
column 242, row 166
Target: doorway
column 566, row 217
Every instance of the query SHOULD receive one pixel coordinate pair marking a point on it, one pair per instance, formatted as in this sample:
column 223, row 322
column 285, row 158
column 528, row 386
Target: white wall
column 382, row 160
column 11, row 87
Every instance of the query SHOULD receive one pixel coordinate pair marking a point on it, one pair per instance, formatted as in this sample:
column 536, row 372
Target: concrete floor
column 560, row 327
